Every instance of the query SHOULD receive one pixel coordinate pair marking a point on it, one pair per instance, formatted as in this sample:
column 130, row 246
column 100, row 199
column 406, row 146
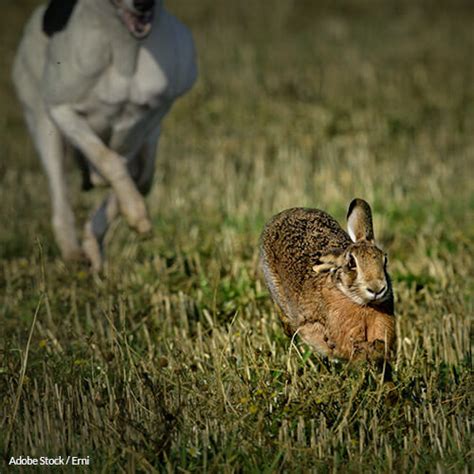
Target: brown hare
column 333, row 288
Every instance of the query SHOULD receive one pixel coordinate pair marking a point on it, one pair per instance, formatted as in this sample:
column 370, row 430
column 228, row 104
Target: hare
column 333, row 288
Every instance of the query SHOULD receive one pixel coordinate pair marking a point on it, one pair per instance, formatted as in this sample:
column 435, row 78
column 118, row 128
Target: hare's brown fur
column 350, row 330
column 293, row 245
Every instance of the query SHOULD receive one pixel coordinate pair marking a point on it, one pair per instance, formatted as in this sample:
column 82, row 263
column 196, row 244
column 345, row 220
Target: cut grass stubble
column 174, row 359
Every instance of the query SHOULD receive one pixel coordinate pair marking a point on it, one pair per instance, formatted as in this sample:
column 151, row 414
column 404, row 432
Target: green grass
column 173, row 359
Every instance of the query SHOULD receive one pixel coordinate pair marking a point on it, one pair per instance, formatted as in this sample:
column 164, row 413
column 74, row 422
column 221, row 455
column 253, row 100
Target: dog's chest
column 117, row 97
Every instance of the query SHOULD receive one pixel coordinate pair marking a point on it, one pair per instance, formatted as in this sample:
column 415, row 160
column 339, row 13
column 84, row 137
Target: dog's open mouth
column 137, row 23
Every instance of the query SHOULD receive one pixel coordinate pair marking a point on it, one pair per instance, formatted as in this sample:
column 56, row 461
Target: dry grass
column 173, row 360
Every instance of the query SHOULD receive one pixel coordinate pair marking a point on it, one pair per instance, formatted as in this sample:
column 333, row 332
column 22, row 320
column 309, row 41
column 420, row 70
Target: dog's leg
column 142, row 169
column 96, row 228
column 111, row 165
column 50, row 147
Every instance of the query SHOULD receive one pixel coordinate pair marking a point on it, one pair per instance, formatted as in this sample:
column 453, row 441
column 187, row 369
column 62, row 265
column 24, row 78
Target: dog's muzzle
column 137, row 15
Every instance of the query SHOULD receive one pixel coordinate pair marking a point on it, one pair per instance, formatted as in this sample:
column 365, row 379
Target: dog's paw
column 133, row 208
column 74, row 255
column 93, row 252
column 144, row 228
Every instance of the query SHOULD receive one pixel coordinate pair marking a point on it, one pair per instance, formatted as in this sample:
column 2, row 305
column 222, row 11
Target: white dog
column 97, row 77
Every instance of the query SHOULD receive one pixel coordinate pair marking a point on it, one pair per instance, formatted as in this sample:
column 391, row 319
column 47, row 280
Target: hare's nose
column 377, row 292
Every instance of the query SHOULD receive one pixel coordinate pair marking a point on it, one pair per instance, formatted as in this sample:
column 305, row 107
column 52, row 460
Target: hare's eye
column 351, row 262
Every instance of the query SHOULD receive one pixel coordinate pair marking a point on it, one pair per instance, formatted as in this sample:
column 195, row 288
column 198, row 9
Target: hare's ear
column 330, row 261
column 359, row 221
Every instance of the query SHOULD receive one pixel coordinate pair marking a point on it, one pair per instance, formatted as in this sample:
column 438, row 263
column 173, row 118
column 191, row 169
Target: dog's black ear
column 57, row 15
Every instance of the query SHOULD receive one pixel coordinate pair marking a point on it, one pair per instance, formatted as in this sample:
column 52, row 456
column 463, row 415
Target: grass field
column 173, row 359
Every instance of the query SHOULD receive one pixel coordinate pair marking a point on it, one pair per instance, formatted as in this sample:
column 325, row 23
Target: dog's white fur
column 94, row 87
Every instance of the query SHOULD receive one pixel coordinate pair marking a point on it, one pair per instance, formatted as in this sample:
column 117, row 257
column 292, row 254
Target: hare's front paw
column 374, row 350
column 360, row 350
column 329, row 343
column 379, row 351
